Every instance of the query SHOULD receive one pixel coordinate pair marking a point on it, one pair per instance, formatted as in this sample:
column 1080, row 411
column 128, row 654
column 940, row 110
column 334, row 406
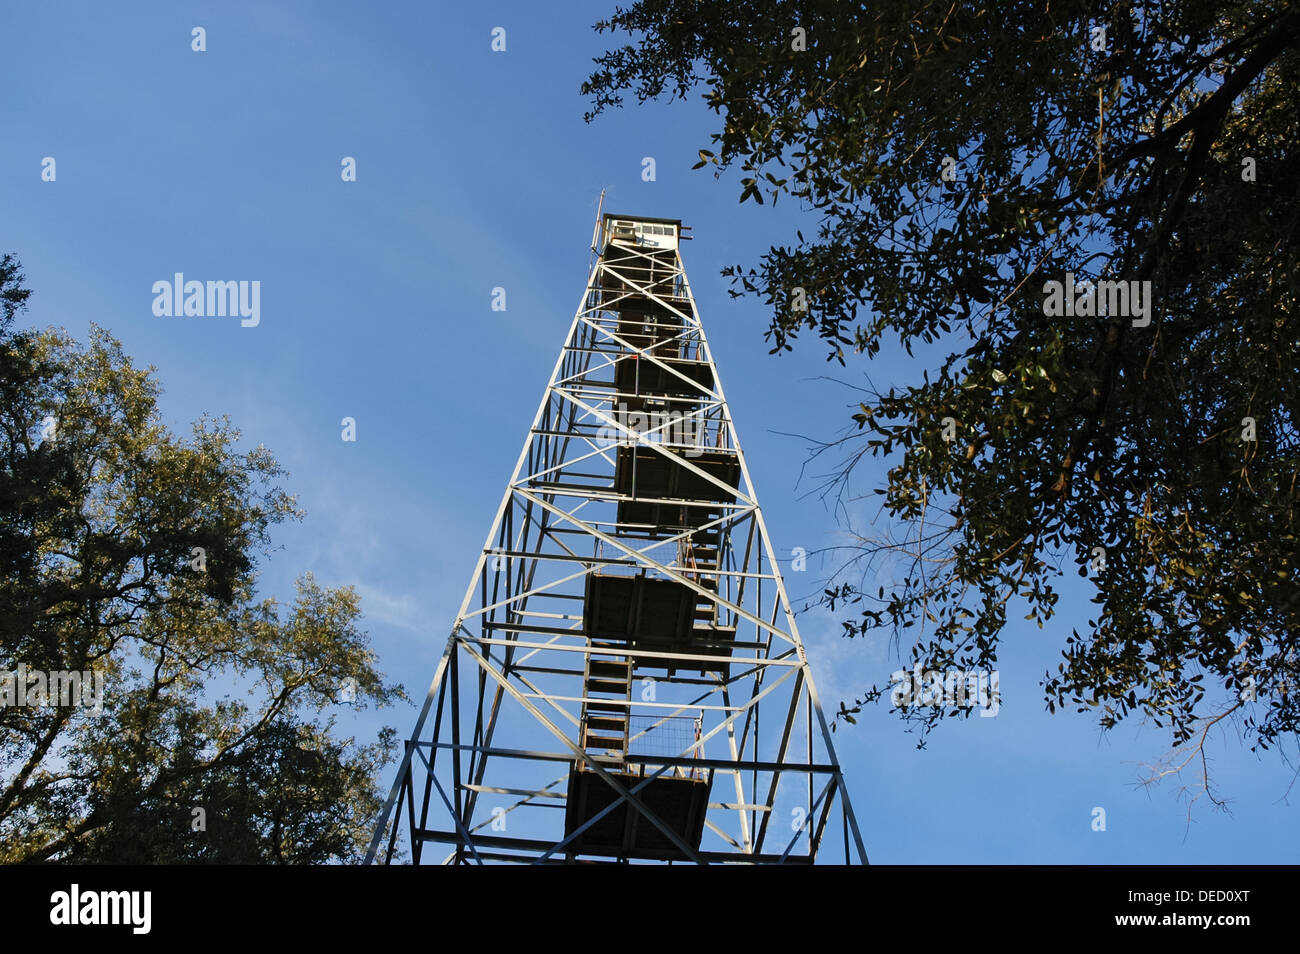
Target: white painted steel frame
column 518, row 651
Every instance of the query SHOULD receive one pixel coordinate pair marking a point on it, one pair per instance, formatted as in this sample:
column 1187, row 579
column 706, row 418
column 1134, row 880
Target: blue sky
column 476, row 170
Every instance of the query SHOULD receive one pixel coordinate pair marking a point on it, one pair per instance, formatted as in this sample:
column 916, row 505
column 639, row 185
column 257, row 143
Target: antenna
column 595, row 233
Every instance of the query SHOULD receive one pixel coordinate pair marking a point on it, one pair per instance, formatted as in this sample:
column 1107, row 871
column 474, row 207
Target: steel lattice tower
column 625, row 679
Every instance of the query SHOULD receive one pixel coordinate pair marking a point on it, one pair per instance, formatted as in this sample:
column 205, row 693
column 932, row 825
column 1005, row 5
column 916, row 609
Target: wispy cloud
column 400, row 610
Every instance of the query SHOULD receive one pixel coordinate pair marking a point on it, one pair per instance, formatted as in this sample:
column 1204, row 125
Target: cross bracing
column 624, row 680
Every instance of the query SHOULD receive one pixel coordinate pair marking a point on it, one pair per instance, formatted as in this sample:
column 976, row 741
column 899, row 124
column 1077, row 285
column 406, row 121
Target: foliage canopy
column 958, row 157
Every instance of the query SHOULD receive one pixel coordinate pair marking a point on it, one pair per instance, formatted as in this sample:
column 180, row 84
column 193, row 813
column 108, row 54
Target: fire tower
column 624, row 680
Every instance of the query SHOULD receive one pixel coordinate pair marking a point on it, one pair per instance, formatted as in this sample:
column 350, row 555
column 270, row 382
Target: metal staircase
column 626, row 651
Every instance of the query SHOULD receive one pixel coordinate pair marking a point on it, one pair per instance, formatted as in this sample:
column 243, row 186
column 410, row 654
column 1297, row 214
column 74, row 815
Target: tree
column 129, row 555
column 959, row 158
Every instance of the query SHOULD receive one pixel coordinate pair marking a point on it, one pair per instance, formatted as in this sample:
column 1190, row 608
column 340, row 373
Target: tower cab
column 648, row 233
